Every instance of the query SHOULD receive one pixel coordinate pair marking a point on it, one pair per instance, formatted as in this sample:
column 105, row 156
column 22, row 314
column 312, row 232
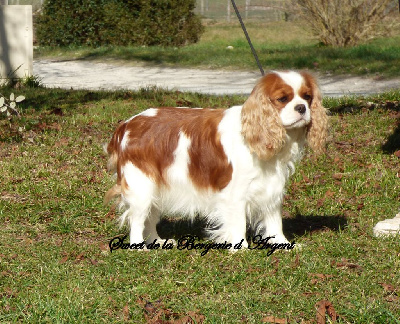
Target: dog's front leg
column 272, row 224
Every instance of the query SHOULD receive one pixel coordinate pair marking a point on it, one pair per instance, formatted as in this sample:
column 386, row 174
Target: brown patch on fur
column 306, row 92
column 152, row 141
column 209, row 166
column 261, row 125
column 318, row 128
column 150, row 146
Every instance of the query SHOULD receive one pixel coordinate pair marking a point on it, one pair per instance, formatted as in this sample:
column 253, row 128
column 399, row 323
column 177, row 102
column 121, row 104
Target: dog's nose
column 301, row 109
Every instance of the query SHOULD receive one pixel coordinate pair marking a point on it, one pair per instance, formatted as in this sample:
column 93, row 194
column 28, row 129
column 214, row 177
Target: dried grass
column 347, row 22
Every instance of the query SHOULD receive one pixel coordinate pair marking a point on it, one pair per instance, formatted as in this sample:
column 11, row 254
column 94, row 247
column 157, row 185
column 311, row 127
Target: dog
column 228, row 165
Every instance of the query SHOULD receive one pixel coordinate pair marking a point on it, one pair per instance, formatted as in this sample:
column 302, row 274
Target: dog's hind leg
column 150, row 231
column 137, row 194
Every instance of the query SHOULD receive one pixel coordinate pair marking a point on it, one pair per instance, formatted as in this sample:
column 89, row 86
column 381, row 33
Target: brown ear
column 262, row 127
column 318, row 128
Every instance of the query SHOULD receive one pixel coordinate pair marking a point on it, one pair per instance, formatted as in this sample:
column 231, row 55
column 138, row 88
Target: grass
column 55, row 262
column 280, row 45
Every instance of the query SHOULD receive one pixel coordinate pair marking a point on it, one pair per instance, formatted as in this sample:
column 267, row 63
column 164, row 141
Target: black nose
column 301, row 109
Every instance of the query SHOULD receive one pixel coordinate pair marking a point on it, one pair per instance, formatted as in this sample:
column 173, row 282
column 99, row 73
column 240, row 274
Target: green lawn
column 55, row 264
column 280, row 45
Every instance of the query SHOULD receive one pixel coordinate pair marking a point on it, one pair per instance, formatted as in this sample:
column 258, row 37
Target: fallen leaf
column 104, row 247
column 360, row 206
column 329, row 194
column 273, row 319
column 275, row 264
column 346, row 264
column 337, row 176
column 198, row 318
column 5, row 273
column 125, row 312
column 63, row 260
column 280, row 292
column 323, row 307
column 93, row 261
column 306, row 179
column 342, row 143
column 62, row 142
column 9, row 293
column 320, row 202
column 12, row 197
column 191, row 318
column 79, row 258
column 319, row 277
column 296, row 262
column 387, row 287
column 155, row 312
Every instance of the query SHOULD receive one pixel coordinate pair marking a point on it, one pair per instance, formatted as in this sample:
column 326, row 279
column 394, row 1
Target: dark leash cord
column 247, row 37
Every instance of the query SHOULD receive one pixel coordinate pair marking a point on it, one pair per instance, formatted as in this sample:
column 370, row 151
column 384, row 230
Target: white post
column 247, row 8
column 228, row 11
column 16, row 42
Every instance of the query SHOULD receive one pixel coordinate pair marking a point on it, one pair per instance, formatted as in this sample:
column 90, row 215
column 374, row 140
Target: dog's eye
column 306, row 97
column 283, row 99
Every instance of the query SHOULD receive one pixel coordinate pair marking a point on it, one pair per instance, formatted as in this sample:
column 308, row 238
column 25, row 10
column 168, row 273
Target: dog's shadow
column 302, row 225
column 297, row 226
column 175, row 228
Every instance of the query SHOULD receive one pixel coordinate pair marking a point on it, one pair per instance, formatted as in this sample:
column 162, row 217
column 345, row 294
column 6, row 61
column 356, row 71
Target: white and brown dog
column 229, row 165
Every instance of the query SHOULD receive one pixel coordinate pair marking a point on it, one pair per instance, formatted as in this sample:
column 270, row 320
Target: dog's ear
column 262, row 127
column 318, row 127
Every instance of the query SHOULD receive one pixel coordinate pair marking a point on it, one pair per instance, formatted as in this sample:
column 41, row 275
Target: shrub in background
column 71, row 22
column 118, row 22
column 347, row 22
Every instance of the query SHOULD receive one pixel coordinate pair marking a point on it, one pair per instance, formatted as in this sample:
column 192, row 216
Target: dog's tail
column 115, row 191
column 112, row 158
column 112, row 150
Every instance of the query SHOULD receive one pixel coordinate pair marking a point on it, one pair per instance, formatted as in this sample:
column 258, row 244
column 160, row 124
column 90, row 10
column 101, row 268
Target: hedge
column 118, row 22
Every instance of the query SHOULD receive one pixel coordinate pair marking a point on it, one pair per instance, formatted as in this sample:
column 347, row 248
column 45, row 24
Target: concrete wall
column 16, row 41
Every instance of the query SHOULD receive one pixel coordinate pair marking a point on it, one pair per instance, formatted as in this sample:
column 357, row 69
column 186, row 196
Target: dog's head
column 281, row 101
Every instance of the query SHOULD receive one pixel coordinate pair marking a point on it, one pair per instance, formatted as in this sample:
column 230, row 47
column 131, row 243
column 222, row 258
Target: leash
column 247, row 37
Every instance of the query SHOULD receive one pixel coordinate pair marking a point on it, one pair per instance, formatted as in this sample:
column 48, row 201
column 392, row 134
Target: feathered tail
column 112, row 164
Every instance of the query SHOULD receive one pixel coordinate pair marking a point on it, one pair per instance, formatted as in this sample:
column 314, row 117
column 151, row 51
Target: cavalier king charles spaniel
column 228, row 165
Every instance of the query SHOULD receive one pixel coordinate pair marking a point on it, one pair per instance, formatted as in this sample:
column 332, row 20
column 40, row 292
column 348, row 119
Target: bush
column 118, row 22
column 71, row 22
column 347, row 22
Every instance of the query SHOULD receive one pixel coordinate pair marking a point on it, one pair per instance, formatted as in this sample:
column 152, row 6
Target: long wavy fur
column 262, row 127
column 318, row 128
